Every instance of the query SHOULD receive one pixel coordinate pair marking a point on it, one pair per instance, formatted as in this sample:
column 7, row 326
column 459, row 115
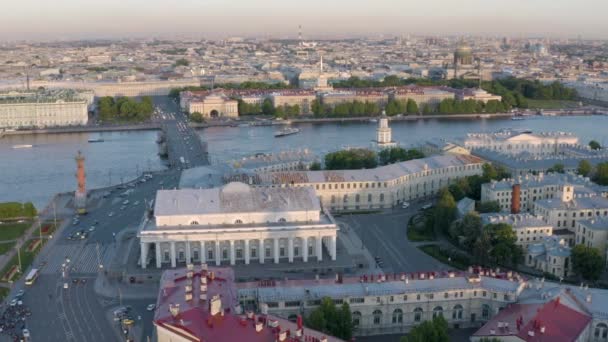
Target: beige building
column 214, row 106
column 477, row 95
column 44, row 109
column 529, row 229
column 550, row 255
column 378, row 96
column 236, row 223
column 565, row 211
column 422, row 95
column 302, row 98
column 593, row 233
column 382, row 187
column 515, row 142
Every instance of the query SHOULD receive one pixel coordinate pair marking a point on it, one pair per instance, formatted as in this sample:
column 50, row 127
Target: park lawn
column 27, row 258
column 5, row 247
column 552, row 104
column 455, row 260
column 11, row 231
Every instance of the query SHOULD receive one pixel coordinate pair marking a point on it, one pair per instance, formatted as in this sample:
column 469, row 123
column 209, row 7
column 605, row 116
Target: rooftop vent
column 215, row 305
column 174, row 309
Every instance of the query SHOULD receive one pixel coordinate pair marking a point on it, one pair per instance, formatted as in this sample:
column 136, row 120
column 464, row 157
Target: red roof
column 539, row 322
column 194, row 322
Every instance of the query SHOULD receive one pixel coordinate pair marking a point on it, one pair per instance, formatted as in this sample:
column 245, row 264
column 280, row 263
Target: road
column 384, row 235
column 78, row 313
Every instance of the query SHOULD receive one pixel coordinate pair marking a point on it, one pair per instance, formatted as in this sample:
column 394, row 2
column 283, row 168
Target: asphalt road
column 78, row 313
column 384, row 235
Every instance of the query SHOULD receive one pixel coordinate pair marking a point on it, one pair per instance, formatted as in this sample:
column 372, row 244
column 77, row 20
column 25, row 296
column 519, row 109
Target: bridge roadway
column 182, row 141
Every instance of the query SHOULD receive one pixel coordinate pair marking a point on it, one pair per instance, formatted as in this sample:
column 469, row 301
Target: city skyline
column 64, row 19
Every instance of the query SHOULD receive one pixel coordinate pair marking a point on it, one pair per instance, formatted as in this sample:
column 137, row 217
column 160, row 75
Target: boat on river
column 286, row 131
column 23, row 146
column 96, row 140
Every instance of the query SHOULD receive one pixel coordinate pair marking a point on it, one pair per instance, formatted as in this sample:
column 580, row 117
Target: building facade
column 214, row 106
column 393, row 303
column 44, row 109
column 593, row 233
column 529, row 229
column 382, row 187
column 237, row 223
column 550, row 255
column 513, row 142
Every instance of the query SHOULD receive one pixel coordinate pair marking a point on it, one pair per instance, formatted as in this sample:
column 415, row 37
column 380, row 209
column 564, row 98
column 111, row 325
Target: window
column 437, row 312
column 397, row 316
column 238, row 221
column 457, row 312
column 282, row 220
column 601, row 331
column 417, row 314
column 210, row 254
column 485, row 311
column 356, row 300
column 377, row 317
column 291, row 304
column 254, row 253
column 356, row 318
column 369, row 197
column 194, row 223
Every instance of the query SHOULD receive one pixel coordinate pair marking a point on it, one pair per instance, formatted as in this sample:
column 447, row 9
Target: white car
column 111, row 214
column 151, row 307
column 405, row 205
column 65, row 285
column 26, row 333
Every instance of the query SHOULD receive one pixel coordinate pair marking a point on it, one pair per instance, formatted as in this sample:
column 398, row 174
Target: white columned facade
column 188, row 253
column 232, row 257
column 319, row 248
column 218, row 254
column 203, row 253
column 144, row 254
column 305, row 249
column 247, row 252
column 262, row 251
column 290, row 248
column 158, row 256
column 332, row 247
column 173, row 261
column 276, row 250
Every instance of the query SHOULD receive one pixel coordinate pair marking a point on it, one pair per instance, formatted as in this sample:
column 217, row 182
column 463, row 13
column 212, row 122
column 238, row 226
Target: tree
column 557, row 168
column 181, row 62
column 197, row 117
column 315, row 166
column 429, row 331
column 398, row 154
column 445, row 211
column 394, row 107
column 601, row 173
column 504, row 248
column 331, row 320
column 587, row 261
column 351, row 159
column 594, row 145
column 411, row 107
column 489, row 207
column 584, row 168
column 268, row 107
column 469, row 228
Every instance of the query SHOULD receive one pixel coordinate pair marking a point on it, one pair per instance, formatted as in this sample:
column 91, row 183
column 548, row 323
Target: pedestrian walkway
column 57, row 256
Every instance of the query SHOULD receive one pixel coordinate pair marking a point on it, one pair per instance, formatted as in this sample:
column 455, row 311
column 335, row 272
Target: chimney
column 174, row 310
column 215, row 305
column 515, row 199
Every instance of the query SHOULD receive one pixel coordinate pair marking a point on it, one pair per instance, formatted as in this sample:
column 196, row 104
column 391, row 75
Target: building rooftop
column 596, row 223
column 578, row 203
column 234, row 197
column 515, row 220
column 379, row 174
column 377, row 285
column 202, row 305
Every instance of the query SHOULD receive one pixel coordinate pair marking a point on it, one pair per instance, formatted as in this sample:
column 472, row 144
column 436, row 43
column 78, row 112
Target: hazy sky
column 61, row 19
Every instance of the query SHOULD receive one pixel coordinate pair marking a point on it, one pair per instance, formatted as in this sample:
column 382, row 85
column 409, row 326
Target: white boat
column 373, row 120
column 517, row 118
column 286, row 131
column 95, row 140
column 23, row 146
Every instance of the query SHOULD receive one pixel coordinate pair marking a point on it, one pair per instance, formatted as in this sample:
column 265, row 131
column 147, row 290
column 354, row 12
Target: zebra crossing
column 83, row 258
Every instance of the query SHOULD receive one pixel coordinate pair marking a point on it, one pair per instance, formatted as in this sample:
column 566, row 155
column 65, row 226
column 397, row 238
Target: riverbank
column 84, row 129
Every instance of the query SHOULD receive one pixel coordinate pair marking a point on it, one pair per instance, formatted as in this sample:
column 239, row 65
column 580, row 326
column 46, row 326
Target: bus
column 31, row 277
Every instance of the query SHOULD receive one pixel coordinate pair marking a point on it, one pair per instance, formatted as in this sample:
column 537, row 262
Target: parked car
column 151, row 307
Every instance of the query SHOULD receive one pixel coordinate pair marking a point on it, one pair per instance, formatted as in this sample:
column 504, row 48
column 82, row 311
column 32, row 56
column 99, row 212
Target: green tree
column 181, row 62
column 411, row 107
column 469, row 228
column 557, row 168
column 429, row 331
column 584, row 168
column 594, row 145
column 351, row 159
column 331, row 320
column 315, row 166
column 398, row 154
column 601, row 173
column 445, row 211
column 426, row 109
column 268, row 107
column 394, row 107
column 504, row 244
column 587, row 261
column 197, row 117
column 489, row 207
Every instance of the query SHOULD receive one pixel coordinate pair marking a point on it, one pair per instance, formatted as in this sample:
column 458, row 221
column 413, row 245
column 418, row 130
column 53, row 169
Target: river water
column 36, row 174
column 230, row 143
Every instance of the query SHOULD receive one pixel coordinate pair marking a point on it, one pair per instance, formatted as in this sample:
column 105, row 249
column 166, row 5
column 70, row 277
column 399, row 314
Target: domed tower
column 463, row 55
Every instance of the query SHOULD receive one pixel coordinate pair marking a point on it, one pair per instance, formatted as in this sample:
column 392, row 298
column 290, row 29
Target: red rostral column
column 81, row 192
column 516, row 199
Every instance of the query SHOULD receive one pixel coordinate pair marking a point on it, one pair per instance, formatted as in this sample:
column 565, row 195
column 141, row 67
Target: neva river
column 227, row 143
column 36, row 174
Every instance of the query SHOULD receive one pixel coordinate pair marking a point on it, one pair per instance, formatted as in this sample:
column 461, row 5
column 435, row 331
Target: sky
column 75, row 19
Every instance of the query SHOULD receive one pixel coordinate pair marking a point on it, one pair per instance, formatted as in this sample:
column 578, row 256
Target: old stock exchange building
column 236, row 224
